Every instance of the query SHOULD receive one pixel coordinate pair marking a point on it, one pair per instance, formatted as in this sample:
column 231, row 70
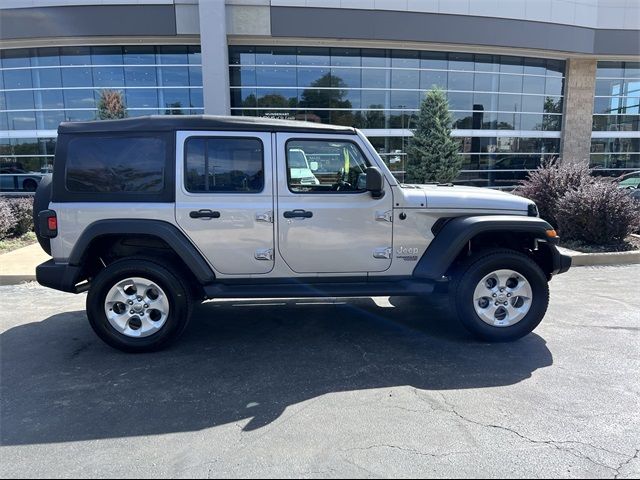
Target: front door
column 224, row 198
column 327, row 221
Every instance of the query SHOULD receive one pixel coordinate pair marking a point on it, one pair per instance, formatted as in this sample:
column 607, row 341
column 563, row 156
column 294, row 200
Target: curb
column 15, row 279
column 579, row 259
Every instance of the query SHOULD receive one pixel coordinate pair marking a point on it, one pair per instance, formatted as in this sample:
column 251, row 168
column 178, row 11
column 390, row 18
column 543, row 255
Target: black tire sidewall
column 476, row 271
column 169, row 282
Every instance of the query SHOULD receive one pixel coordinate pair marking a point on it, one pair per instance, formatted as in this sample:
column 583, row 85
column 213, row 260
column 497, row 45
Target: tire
column 159, row 325
column 520, row 316
column 41, row 201
column 29, row 185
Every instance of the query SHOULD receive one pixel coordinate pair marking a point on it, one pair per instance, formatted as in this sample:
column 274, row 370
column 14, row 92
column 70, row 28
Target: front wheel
column 499, row 295
column 137, row 305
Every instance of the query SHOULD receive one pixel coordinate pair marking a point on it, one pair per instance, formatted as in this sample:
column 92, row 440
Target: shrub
column 22, row 209
column 7, row 219
column 550, row 182
column 597, row 213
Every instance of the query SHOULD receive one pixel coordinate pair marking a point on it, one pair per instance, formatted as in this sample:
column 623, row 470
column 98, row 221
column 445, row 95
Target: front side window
column 224, row 165
column 317, row 166
column 100, row 164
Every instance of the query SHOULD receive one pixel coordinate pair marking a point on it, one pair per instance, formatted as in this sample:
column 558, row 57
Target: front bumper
column 59, row 276
column 561, row 263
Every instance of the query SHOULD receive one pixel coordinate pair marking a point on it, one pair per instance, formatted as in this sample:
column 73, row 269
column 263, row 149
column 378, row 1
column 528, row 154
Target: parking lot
column 339, row 388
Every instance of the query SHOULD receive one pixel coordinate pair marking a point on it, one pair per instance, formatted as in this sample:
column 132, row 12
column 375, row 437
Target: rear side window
column 224, row 165
column 100, row 164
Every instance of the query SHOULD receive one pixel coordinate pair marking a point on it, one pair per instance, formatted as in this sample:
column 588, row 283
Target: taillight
column 48, row 223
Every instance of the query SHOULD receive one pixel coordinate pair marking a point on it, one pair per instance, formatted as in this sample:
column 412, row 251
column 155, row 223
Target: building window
column 382, row 89
column 41, row 87
column 615, row 142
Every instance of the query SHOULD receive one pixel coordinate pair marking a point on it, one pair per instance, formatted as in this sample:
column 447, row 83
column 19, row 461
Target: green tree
column 174, row 108
column 111, row 105
column 432, row 152
column 317, row 96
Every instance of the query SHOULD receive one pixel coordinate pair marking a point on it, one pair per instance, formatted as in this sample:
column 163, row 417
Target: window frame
column 220, row 137
column 60, row 192
column 323, row 139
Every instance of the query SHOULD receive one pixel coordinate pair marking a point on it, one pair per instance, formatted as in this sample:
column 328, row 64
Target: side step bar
column 320, row 289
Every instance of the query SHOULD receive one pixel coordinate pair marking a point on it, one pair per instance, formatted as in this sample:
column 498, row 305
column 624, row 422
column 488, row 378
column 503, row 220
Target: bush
column 7, row 219
column 550, row 182
column 22, row 209
column 597, row 213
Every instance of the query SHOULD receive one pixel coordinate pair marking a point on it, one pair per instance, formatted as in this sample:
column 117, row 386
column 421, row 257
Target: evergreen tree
column 432, row 152
column 111, row 105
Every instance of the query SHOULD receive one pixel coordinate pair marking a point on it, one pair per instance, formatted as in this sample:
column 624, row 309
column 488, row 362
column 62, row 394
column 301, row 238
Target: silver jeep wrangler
column 153, row 214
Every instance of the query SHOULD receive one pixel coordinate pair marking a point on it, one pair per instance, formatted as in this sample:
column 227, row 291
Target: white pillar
column 215, row 57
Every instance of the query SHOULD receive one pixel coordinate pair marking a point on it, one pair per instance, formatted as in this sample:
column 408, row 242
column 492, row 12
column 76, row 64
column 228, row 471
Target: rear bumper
column 59, row 276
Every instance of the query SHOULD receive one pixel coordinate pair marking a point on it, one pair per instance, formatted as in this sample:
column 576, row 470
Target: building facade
column 526, row 80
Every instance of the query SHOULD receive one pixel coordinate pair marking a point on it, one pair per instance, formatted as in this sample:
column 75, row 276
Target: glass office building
column 529, row 82
column 41, row 87
column 507, row 110
column 615, row 143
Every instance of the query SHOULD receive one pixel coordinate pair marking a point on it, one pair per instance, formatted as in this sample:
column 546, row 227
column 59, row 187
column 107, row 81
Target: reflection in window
column 224, row 165
column 125, row 164
column 317, row 166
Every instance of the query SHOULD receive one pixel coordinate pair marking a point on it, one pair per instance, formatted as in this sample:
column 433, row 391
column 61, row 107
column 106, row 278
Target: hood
column 471, row 198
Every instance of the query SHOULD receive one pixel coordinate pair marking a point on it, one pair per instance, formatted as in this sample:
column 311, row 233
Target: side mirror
column 375, row 182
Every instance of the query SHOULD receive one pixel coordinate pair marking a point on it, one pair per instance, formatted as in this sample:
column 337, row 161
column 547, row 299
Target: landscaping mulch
column 631, row 243
column 9, row 244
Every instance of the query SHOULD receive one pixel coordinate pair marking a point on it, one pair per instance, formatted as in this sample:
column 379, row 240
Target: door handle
column 204, row 213
column 298, row 214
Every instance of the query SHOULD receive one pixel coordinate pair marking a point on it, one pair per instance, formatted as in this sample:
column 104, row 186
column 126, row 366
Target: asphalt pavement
column 327, row 388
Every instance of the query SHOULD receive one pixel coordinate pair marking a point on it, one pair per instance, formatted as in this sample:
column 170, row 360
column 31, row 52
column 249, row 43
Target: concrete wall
column 215, row 57
column 580, row 82
column 608, row 14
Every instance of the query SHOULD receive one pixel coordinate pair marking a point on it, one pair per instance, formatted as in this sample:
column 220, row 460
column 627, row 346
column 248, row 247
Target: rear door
column 224, row 198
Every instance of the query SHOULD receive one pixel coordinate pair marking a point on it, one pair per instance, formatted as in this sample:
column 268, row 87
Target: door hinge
column 264, row 254
column 384, row 216
column 383, row 253
column 265, row 217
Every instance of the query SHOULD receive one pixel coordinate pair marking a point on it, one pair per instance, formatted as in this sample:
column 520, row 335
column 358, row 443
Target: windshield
column 297, row 159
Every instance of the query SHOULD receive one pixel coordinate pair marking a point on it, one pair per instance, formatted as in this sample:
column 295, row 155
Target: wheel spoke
column 119, row 295
column 523, row 289
column 483, row 292
column 119, row 321
column 148, row 325
column 515, row 314
column 503, row 276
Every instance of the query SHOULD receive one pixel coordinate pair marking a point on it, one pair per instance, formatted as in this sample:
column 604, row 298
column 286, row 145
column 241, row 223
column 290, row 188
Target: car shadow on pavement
column 239, row 361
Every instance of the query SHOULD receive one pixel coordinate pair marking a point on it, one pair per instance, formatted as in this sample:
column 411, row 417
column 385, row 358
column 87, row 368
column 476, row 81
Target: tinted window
column 115, row 164
column 325, row 166
column 224, row 165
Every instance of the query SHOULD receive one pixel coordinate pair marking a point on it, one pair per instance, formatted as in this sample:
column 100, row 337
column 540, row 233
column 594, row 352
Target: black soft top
column 166, row 123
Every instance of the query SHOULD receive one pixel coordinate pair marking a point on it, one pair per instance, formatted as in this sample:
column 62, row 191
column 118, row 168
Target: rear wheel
column 30, row 185
column 137, row 305
column 500, row 295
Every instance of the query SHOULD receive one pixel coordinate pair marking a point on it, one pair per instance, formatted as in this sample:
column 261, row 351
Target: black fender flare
column 456, row 233
column 165, row 231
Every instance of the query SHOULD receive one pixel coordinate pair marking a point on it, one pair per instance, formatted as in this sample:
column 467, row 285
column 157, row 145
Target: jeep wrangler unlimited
column 153, row 214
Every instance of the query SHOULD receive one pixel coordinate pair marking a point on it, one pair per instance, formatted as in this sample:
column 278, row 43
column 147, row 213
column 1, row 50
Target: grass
column 9, row 244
